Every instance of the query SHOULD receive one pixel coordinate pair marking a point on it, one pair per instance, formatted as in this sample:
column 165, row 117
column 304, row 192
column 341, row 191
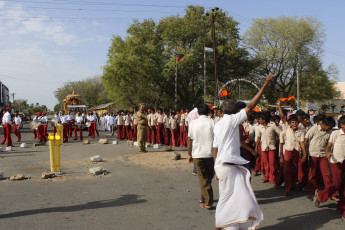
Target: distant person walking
column 142, row 128
column 7, row 123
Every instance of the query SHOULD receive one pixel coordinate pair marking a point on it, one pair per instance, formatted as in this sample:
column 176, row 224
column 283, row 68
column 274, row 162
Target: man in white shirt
column 200, row 139
column 18, row 124
column 92, row 119
column 134, row 119
column 79, row 120
column 237, row 202
column 7, row 123
column 41, row 133
column 120, row 127
column 64, row 123
column 112, row 123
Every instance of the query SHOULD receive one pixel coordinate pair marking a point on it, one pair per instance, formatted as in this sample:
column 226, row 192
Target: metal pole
column 298, row 83
column 204, row 75
column 214, row 56
column 175, row 82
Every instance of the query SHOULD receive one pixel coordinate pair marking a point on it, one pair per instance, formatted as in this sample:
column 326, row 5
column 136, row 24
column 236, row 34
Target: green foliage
column 141, row 67
column 91, row 90
column 286, row 45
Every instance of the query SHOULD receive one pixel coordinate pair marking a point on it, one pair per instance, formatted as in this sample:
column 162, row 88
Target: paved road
column 130, row 197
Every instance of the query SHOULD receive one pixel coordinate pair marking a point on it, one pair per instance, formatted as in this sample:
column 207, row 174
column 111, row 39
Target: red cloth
column 185, row 136
column 45, row 133
column 119, row 132
column 302, row 173
column 41, row 134
column 7, row 134
column 280, row 177
column 181, row 137
column 167, row 136
column 259, row 164
column 153, row 134
column 160, row 134
column 35, row 133
column 174, row 137
column 64, row 132
column 16, row 132
column 134, row 136
column 148, row 135
column 69, row 128
column 316, row 164
column 128, row 133
column 290, row 169
column 80, row 133
column 269, row 158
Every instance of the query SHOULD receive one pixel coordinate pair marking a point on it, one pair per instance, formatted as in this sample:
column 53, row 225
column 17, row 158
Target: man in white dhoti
column 237, row 207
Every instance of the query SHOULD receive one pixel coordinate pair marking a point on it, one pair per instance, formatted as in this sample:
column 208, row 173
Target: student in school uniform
column 41, row 133
column 92, row 119
column 79, row 120
column 173, row 129
column 182, row 122
column 317, row 138
column 64, row 123
column 186, row 125
column 127, row 121
column 120, row 127
column 160, row 126
column 57, row 116
column 35, row 130
column 96, row 123
column 259, row 164
column 337, row 160
column 17, row 126
column 152, row 125
column 167, row 132
column 267, row 136
column 7, row 124
column 292, row 142
column 135, row 126
column 45, row 125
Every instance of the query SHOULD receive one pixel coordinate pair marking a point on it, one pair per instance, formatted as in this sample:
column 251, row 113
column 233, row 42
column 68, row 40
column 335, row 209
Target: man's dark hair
column 240, row 105
column 292, row 117
column 229, row 107
column 341, row 121
column 299, row 113
column 319, row 117
column 276, row 117
column 328, row 121
column 197, row 102
column 250, row 117
column 203, row 109
column 305, row 116
column 265, row 116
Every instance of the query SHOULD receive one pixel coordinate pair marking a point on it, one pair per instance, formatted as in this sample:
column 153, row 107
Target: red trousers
column 167, row 136
column 302, row 173
column 259, row 165
column 45, row 133
column 186, row 136
column 134, row 136
column 291, row 159
column 280, row 177
column 338, row 171
column 119, row 132
column 41, row 134
column 35, row 133
column 174, row 137
column 315, row 165
column 148, row 135
column 128, row 133
column 159, row 133
column 54, row 130
column 16, row 132
column 69, row 128
column 64, row 132
column 269, row 162
column 80, row 133
column 153, row 134
column 7, row 134
column 181, row 137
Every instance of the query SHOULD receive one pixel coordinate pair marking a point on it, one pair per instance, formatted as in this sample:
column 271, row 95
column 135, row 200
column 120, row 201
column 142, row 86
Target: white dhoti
column 237, row 207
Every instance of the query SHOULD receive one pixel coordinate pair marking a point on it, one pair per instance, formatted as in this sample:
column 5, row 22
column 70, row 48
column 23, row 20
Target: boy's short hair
column 341, row 121
column 266, row 116
column 173, row 113
column 229, row 107
column 319, row 117
column 276, row 117
column 203, row 109
column 299, row 113
column 328, row 121
column 305, row 116
column 292, row 117
column 240, row 105
column 250, row 117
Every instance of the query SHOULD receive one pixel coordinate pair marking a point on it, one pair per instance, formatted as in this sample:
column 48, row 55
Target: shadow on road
column 310, row 220
column 122, row 201
column 272, row 195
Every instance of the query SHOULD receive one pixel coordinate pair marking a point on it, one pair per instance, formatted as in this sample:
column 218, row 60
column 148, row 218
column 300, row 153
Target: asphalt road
column 131, row 196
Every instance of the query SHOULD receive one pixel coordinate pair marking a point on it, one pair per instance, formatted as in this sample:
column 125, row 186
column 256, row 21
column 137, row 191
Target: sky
column 45, row 43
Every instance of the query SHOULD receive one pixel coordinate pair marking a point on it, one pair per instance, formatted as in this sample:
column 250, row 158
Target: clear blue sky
column 47, row 42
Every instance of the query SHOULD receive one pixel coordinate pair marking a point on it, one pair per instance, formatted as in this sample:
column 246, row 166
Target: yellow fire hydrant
column 54, row 149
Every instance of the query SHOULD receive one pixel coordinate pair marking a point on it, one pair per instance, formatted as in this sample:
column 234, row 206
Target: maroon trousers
column 128, row 133
column 92, row 129
column 174, row 137
column 134, row 136
column 167, row 136
column 338, row 171
column 16, row 132
column 69, row 128
column 317, row 164
column 65, row 132
column 41, row 134
column 153, row 134
column 80, row 133
column 119, row 132
column 269, row 162
column 291, row 159
column 7, row 134
column 280, row 177
column 302, row 173
column 181, row 137
column 35, row 133
column 159, row 132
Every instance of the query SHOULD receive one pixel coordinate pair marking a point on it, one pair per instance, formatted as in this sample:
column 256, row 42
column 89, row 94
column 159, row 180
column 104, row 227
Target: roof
column 77, row 106
column 103, row 106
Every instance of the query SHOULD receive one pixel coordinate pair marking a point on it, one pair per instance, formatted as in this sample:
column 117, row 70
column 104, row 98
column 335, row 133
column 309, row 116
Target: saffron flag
column 224, row 93
column 256, row 109
column 208, row 50
column 179, row 57
column 211, row 106
column 288, row 99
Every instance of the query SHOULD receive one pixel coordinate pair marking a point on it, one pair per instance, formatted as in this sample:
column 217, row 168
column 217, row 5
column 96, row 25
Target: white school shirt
column 79, row 119
column 135, row 119
column 63, row 119
column 91, row 118
column 227, row 139
column 182, row 119
column 7, row 118
column 119, row 120
column 166, row 121
column 127, row 120
column 58, row 118
column 172, row 123
column 152, row 120
column 338, row 140
column 201, row 132
column 17, row 120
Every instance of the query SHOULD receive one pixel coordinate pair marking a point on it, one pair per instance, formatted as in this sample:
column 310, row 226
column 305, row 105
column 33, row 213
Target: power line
column 22, row 79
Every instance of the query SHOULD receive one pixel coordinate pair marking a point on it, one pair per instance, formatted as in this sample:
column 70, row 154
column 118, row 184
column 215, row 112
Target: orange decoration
column 224, row 93
column 256, row 109
column 211, row 106
column 288, row 99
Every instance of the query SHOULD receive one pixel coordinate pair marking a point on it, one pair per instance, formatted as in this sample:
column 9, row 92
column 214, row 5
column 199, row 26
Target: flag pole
column 175, row 80
column 204, row 74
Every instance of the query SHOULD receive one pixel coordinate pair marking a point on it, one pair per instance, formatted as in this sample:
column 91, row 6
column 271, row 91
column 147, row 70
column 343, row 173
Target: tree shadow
column 122, row 201
column 310, row 220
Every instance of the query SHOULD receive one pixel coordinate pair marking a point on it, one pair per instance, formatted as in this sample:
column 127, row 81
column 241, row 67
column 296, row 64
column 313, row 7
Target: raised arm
column 258, row 96
column 282, row 115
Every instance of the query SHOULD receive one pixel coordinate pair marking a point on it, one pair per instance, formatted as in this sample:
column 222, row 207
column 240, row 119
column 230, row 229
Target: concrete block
column 86, row 142
column 115, row 142
column 175, row 156
column 96, row 158
column 19, row 177
column 156, row 146
column 24, row 145
column 96, row 170
column 9, row 148
column 135, row 143
column 103, row 141
column 47, row 175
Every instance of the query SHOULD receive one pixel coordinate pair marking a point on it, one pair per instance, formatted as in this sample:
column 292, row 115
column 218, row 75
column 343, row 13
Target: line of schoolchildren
column 6, row 122
column 292, row 149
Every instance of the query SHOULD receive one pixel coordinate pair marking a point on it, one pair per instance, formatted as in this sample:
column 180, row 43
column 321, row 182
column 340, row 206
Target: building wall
column 341, row 90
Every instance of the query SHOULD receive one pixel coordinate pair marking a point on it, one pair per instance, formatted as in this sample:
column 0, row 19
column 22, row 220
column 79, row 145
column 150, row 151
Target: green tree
column 91, row 90
column 284, row 46
column 141, row 67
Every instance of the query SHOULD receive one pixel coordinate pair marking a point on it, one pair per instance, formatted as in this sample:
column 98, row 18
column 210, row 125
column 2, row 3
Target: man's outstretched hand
column 270, row 77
